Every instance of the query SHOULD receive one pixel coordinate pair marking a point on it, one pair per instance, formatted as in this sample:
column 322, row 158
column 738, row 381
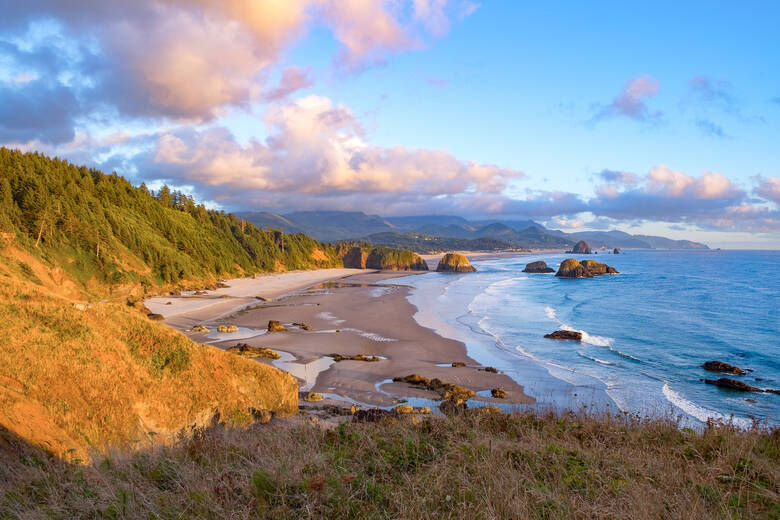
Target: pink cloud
column 631, row 102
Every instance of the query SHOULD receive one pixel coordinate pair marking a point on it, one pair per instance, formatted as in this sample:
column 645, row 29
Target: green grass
column 480, row 465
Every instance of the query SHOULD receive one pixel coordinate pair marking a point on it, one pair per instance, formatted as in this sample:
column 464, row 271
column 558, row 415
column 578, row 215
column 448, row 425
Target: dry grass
column 73, row 380
column 479, row 466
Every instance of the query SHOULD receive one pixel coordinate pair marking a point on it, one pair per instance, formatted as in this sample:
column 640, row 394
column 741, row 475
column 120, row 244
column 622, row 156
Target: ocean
column 646, row 331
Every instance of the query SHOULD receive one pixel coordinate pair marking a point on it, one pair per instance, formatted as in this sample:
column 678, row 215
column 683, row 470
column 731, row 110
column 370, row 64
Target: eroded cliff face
column 76, row 377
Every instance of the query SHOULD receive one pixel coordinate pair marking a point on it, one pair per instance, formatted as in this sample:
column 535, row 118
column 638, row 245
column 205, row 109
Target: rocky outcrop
column 616, row 251
column 447, row 391
column 155, row 317
column 356, row 357
column 581, row 248
column 732, row 384
column 572, row 268
column 276, row 326
column 538, row 267
column 565, row 334
column 455, row 263
column 720, row 366
column 250, row 351
column 355, row 258
column 312, row 397
column 387, row 259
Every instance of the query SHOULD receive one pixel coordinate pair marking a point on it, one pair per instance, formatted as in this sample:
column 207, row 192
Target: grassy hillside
column 106, row 233
column 478, row 466
column 75, row 379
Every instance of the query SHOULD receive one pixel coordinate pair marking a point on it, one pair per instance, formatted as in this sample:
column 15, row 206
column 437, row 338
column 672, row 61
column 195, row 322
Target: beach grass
column 477, row 465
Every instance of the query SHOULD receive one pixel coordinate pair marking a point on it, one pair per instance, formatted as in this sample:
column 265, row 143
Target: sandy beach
column 349, row 312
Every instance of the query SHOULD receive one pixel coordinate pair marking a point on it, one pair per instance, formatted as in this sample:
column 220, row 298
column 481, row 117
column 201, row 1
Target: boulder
column 732, row 384
column 492, row 370
column 455, row 263
column 276, row 326
column 581, row 248
column 616, row 251
column 227, row 328
column 538, row 267
column 456, row 364
column 572, row 268
column 302, row 325
column 594, row 267
column 355, row 258
column 720, row 366
column 155, row 317
column 200, row 328
column 312, row 397
column 498, row 393
column 565, row 334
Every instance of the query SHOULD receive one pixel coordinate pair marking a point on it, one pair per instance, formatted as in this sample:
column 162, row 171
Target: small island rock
column 572, row 268
column 538, row 267
column 565, row 334
column 455, row 263
column 732, row 384
column 720, row 366
column 616, row 251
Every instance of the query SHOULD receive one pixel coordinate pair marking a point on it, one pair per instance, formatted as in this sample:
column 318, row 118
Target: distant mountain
column 332, row 226
column 422, row 243
column 328, row 226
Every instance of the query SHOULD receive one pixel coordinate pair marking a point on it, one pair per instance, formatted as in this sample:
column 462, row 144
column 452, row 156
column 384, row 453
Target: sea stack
column 538, row 267
column 616, row 251
column 455, row 263
column 581, row 248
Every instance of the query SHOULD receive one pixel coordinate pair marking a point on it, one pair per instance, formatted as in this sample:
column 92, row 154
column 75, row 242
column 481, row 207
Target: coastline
column 350, row 312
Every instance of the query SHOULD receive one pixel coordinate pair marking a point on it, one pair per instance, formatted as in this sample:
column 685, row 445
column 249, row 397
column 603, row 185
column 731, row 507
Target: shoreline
column 350, row 312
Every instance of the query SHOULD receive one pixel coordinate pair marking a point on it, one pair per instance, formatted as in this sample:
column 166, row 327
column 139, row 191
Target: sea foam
column 699, row 412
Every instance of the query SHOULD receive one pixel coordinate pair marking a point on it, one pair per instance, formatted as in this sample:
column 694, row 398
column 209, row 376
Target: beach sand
column 349, row 312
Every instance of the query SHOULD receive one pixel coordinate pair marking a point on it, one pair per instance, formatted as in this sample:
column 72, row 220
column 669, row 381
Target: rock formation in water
column 538, row 267
column 616, row 251
column 565, row 334
column 720, row 366
column 732, row 384
column 572, row 268
column 455, row 263
column 581, row 248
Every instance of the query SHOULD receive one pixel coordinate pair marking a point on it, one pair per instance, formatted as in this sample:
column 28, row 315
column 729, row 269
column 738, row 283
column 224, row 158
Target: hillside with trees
column 104, row 231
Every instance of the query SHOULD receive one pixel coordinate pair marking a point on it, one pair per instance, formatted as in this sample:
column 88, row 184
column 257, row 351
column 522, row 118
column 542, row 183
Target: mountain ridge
column 332, row 226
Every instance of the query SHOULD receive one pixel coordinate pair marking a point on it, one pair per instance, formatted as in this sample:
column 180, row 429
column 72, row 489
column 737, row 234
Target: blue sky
column 659, row 118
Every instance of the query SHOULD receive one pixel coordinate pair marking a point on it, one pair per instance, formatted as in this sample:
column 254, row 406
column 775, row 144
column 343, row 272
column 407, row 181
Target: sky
column 656, row 117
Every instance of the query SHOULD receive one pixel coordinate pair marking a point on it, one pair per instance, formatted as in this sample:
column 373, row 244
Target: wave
column 699, row 412
column 550, row 312
column 599, row 341
column 597, row 360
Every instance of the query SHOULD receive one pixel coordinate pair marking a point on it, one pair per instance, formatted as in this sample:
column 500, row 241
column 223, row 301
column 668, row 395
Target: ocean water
column 646, row 331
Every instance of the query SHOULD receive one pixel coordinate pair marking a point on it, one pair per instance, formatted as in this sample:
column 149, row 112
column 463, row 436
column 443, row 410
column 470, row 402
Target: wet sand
column 353, row 314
